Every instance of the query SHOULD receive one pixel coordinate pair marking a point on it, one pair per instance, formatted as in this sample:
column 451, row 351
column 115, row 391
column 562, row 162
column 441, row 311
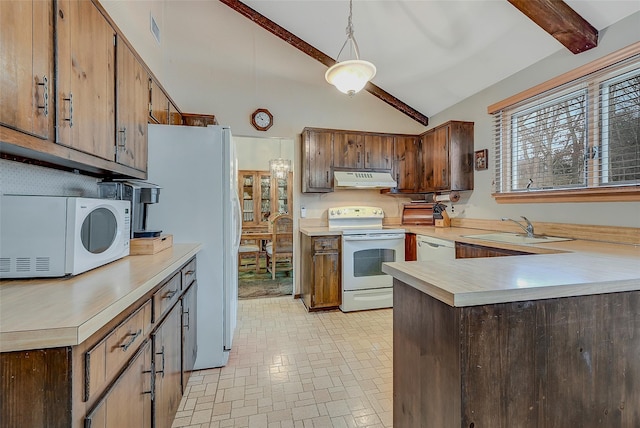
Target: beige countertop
column 556, row 269
column 47, row 313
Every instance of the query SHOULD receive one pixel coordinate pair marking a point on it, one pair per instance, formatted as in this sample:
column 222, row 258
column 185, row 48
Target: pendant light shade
column 350, row 76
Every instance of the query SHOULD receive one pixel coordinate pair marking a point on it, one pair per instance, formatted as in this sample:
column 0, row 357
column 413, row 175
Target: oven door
column 363, row 256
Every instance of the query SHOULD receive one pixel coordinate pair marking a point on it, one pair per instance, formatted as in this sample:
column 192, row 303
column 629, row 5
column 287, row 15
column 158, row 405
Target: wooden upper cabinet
column 158, row 104
column 447, row 158
column 348, row 150
column 437, row 156
column 317, row 165
column 405, row 168
column 461, row 155
column 132, row 102
column 362, row 151
column 175, row 118
column 26, row 80
column 378, row 152
column 86, row 79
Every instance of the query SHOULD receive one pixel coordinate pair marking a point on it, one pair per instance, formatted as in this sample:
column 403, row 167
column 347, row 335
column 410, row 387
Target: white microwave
column 52, row 236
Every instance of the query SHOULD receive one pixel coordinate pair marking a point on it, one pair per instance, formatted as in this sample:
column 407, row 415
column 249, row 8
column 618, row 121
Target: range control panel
column 355, row 212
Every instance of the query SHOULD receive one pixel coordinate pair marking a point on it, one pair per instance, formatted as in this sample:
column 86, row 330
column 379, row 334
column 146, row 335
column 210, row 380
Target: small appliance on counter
column 140, row 194
column 54, row 236
column 418, row 214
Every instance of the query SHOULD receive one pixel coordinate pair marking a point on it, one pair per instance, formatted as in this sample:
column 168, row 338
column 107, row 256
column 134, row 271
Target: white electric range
column 365, row 246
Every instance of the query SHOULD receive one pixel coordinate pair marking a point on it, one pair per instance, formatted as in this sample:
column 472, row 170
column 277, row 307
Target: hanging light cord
column 350, row 36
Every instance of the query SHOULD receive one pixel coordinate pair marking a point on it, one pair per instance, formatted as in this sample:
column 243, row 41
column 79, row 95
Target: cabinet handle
column 45, row 94
column 122, row 141
column 358, row 157
column 189, row 272
column 132, row 338
column 70, row 118
column 152, row 386
column 334, row 266
column 169, row 294
column 327, row 179
column 161, row 353
column 444, row 174
column 187, row 314
column 368, row 158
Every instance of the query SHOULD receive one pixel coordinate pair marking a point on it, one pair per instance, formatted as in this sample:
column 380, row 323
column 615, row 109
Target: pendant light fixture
column 280, row 167
column 352, row 75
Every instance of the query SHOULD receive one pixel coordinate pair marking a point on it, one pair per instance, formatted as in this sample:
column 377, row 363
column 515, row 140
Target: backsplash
column 25, row 179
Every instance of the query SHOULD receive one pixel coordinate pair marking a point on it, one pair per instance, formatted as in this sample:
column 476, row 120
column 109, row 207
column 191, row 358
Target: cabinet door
column 189, row 333
column 348, row 150
column 168, row 369
column 246, row 187
column 439, row 158
column 326, row 280
column 378, row 152
column 86, row 79
column 132, row 95
column 175, row 118
column 461, row 155
column 128, row 402
column 26, row 49
column 158, row 104
column 282, row 194
column 264, row 198
column 406, row 149
column 425, row 164
column 317, row 174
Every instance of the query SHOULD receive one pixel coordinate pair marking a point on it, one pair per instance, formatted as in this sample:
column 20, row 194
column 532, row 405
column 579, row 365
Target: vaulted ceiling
column 431, row 54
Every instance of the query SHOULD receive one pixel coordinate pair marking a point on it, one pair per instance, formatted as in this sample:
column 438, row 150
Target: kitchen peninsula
column 526, row 341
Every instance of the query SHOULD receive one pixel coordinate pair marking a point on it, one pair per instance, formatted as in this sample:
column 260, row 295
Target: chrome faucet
column 528, row 229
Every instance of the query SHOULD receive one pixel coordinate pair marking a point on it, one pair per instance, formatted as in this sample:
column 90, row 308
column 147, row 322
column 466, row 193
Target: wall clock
column 262, row 119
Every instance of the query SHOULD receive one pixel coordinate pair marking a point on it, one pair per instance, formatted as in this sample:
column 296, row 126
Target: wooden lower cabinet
column 129, row 373
column 167, row 356
column 40, row 382
column 469, row 251
column 128, row 402
column 321, row 267
column 189, row 332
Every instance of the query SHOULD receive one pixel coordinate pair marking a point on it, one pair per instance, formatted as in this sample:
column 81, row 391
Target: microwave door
column 99, row 230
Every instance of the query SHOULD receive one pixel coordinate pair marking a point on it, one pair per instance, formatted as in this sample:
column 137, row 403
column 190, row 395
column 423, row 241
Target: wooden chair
column 246, row 250
column 281, row 245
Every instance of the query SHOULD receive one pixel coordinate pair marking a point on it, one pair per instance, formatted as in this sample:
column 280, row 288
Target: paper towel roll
column 449, row 197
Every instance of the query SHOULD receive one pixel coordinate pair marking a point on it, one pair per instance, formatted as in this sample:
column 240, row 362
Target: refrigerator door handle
column 238, row 224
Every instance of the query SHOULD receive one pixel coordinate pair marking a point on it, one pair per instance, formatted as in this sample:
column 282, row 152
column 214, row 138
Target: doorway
column 265, row 200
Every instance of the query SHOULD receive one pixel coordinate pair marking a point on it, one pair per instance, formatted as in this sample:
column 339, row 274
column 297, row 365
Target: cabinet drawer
column 326, row 244
column 188, row 274
column 108, row 357
column 165, row 298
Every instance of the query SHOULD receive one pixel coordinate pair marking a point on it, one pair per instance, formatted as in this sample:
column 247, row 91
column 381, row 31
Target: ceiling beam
column 561, row 21
column 320, row 56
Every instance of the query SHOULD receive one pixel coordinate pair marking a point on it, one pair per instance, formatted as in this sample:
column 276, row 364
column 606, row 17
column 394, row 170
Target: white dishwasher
column 430, row 249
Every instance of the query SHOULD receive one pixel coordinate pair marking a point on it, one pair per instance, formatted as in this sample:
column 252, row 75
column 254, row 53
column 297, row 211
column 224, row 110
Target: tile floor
column 289, row 368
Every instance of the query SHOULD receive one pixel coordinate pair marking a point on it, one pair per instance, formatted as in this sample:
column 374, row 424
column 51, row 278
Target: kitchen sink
column 513, row 238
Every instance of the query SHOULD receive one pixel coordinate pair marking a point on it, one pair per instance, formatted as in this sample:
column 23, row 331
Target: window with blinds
column 582, row 134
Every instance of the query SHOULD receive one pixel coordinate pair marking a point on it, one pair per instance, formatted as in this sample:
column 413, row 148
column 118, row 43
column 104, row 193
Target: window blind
column 582, row 134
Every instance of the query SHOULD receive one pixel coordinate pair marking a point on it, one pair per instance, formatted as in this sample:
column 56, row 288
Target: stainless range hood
column 363, row 180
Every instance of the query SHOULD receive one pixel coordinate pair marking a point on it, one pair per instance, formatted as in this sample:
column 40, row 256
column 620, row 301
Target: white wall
column 254, row 153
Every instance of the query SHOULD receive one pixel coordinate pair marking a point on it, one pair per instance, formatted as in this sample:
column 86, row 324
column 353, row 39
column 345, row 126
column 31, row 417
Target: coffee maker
column 140, row 194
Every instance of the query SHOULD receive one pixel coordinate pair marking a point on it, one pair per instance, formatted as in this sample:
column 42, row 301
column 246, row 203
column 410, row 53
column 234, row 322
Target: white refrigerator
column 196, row 168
